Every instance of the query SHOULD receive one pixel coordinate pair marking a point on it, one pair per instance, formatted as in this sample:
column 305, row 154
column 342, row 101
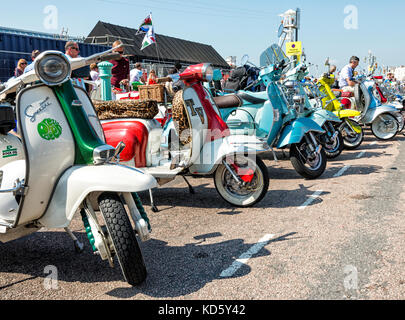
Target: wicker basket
column 152, row 92
column 147, row 109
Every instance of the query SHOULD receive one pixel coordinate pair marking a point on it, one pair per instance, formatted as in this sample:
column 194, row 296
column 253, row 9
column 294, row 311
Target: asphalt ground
column 338, row 237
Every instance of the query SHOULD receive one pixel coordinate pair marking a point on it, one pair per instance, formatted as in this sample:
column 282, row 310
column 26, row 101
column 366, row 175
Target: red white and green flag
column 149, row 38
column 146, row 24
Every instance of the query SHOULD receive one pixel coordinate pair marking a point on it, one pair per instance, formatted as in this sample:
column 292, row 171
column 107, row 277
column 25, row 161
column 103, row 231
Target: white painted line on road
column 361, row 154
column 341, row 171
column 373, row 143
column 311, row 199
column 244, row 258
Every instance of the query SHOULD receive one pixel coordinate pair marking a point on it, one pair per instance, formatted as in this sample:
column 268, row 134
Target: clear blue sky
column 235, row 27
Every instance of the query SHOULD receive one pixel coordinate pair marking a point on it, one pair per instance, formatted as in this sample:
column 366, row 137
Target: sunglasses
column 120, row 52
column 77, row 49
column 23, row 63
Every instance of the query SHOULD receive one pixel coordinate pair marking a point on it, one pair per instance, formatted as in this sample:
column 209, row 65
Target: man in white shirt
column 136, row 74
column 346, row 81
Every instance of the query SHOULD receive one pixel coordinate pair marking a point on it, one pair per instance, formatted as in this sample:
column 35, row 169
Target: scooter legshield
column 320, row 116
column 79, row 181
column 295, row 131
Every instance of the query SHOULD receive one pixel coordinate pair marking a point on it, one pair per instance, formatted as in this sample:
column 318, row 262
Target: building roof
column 168, row 49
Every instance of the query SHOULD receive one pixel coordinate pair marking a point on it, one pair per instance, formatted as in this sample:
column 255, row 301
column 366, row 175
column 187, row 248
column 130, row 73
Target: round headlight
column 52, row 68
column 207, row 72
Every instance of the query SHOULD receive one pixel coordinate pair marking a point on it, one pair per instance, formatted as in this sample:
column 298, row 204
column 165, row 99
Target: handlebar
column 76, row 63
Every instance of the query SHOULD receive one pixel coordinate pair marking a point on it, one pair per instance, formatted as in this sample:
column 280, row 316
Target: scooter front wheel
column 351, row 139
column 308, row 166
column 242, row 194
column 334, row 148
column 123, row 238
column 385, row 127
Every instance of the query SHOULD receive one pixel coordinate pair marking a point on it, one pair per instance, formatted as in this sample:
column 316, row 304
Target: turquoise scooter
column 332, row 140
column 270, row 116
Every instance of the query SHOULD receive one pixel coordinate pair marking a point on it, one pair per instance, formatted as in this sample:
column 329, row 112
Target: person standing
column 72, row 52
column 346, row 80
column 34, row 55
column 152, row 77
column 94, row 73
column 120, row 69
column 21, row 65
column 136, row 73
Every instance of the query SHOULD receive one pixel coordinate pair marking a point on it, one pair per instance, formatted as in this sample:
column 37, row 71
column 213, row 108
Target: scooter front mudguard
column 320, row 116
column 214, row 152
column 373, row 113
column 347, row 113
column 295, row 131
column 79, row 181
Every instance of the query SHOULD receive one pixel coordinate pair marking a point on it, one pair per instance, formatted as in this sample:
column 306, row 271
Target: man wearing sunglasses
column 72, row 51
column 120, row 70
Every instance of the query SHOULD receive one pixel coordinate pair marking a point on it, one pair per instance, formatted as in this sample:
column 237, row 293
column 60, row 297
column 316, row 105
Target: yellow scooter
column 351, row 130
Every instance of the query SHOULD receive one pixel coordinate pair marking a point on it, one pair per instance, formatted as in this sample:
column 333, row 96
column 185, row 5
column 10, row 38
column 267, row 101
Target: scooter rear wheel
column 385, row 127
column 123, row 238
column 242, row 196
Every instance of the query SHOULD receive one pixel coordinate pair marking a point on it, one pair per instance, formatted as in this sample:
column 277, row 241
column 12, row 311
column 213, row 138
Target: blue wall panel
column 14, row 47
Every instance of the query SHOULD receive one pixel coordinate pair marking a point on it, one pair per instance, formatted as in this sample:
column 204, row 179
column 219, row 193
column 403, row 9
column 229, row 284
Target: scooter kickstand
column 152, row 203
column 274, row 155
column 79, row 246
column 190, row 188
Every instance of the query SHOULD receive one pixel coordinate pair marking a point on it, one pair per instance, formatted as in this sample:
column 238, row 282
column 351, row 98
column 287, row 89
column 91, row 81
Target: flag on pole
column 149, row 38
column 146, row 24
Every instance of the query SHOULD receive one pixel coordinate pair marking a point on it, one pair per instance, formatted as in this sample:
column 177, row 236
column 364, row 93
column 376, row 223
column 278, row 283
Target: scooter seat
column 347, row 94
column 254, row 97
column 228, row 101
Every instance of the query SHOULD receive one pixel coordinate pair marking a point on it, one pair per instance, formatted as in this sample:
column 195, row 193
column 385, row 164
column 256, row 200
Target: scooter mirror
column 244, row 60
column 280, row 30
column 327, row 62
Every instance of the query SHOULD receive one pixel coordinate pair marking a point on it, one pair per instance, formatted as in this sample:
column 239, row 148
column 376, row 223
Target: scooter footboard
column 214, row 152
column 79, row 181
column 294, row 132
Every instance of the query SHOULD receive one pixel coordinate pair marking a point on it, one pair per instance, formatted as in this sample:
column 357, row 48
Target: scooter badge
column 49, row 129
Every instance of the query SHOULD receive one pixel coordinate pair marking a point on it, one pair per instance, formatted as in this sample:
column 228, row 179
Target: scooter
column 272, row 118
column 350, row 130
column 194, row 141
column 385, row 93
column 384, row 120
column 295, row 82
column 59, row 163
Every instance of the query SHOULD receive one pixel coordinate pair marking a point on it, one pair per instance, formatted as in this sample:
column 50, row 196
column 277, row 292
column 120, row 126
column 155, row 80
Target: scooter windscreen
column 273, row 55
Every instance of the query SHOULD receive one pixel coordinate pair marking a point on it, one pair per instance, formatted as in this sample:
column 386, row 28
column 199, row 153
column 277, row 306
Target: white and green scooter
column 58, row 164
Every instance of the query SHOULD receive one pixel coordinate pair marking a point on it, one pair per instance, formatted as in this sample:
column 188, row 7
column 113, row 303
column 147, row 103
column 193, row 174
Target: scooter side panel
column 320, row 116
column 213, row 152
column 49, row 147
column 373, row 113
column 294, row 132
column 79, row 181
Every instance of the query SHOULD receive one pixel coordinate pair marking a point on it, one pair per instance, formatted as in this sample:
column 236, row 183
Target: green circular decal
column 49, row 129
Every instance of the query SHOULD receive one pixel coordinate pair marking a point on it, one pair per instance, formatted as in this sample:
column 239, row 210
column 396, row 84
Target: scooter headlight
column 52, row 68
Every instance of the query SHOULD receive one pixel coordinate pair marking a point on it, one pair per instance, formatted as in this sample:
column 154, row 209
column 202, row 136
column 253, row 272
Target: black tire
column 299, row 163
column 349, row 143
column 227, row 196
column 123, row 238
column 337, row 150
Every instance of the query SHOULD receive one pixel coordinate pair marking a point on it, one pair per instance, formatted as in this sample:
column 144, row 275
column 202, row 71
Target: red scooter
column 194, row 141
